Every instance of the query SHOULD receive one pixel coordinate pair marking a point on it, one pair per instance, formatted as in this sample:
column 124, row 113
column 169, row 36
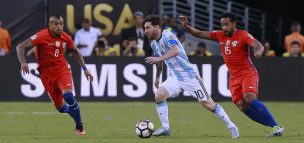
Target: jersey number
column 227, row 50
column 199, row 94
column 56, row 53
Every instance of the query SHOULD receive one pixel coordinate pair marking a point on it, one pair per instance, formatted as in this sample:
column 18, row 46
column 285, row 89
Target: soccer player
column 166, row 47
column 235, row 46
column 54, row 72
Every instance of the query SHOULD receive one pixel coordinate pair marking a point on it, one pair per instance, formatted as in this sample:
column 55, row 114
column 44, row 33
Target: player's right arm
column 159, row 69
column 195, row 32
column 21, row 54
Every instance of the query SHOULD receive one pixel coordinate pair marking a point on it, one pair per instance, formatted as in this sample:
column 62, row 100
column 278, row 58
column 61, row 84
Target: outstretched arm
column 171, row 53
column 195, row 32
column 259, row 49
column 21, row 55
column 76, row 53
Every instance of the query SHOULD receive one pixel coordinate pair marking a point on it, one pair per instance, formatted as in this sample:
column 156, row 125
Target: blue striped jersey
column 179, row 66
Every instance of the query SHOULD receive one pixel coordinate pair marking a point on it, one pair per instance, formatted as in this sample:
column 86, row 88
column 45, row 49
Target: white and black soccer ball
column 144, row 128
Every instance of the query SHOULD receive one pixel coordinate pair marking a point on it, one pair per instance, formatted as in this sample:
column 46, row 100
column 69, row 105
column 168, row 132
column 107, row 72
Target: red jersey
column 50, row 49
column 236, row 51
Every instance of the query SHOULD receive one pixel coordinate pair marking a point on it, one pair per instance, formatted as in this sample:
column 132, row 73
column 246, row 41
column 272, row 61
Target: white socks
column 162, row 110
column 221, row 114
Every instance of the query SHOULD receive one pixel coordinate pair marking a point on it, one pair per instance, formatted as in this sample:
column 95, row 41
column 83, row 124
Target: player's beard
column 228, row 33
column 151, row 36
column 58, row 33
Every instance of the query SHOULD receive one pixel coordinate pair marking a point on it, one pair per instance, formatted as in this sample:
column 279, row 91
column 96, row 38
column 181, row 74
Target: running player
column 166, row 47
column 54, row 72
column 235, row 46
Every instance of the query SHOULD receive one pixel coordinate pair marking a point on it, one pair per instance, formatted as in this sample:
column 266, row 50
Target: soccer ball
column 144, row 128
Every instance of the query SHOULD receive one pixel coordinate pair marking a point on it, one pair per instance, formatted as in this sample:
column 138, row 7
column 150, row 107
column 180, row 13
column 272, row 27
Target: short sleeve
column 171, row 39
column 214, row 35
column 37, row 38
column 70, row 42
column 248, row 38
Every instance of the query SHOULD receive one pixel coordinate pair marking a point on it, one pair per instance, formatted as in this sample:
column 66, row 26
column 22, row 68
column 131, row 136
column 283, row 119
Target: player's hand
column 25, row 68
column 258, row 54
column 88, row 75
column 183, row 20
column 152, row 60
column 156, row 83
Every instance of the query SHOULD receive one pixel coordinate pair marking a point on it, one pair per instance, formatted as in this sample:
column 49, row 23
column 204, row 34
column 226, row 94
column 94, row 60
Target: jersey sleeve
column 248, row 38
column 70, row 42
column 170, row 38
column 37, row 38
column 214, row 35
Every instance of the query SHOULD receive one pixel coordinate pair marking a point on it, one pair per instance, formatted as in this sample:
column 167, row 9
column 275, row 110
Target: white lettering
column 35, row 88
column 107, row 75
column 130, row 76
column 223, row 81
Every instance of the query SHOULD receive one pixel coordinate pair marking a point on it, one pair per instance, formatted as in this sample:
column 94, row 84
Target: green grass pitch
column 114, row 122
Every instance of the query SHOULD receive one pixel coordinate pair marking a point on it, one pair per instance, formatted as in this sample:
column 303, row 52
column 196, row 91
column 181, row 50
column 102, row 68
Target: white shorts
column 194, row 86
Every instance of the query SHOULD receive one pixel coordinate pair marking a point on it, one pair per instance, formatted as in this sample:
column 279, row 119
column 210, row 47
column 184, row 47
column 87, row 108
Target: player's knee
column 160, row 95
column 242, row 105
column 249, row 97
column 69, row 98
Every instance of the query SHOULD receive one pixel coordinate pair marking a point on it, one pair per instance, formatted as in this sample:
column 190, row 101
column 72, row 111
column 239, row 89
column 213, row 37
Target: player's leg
column 64, row 83
column 238, row 99
column 250, row 90
column 74, row 110
column 167, row 89
column 54, row 94
column 196, row 88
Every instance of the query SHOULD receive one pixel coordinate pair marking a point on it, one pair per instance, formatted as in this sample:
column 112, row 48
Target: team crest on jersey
column 64, row 45
column 234, row 43
column 171, row 37
column 34, row 37
column 57, row 43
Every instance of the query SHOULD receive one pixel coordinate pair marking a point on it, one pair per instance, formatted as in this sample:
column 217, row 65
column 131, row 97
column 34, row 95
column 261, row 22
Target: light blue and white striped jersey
column 179, row 66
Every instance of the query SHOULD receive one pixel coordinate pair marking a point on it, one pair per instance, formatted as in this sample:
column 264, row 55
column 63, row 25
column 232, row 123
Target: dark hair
column 295, row 43
column 85, row 20
column 56, row 15
column 229, row 15
column 295, row 23
column 154, row 19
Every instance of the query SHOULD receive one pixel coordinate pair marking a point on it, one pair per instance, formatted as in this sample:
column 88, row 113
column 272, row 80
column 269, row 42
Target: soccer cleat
column 234, row 132
column 161, row 132
column 276, row 131
column 80, row 132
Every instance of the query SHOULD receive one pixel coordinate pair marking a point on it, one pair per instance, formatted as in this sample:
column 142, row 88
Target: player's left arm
column 76, row 53
column 259, row 49
column 171, row 53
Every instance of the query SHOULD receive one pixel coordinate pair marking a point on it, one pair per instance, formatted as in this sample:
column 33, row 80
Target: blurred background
column 115, row 54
